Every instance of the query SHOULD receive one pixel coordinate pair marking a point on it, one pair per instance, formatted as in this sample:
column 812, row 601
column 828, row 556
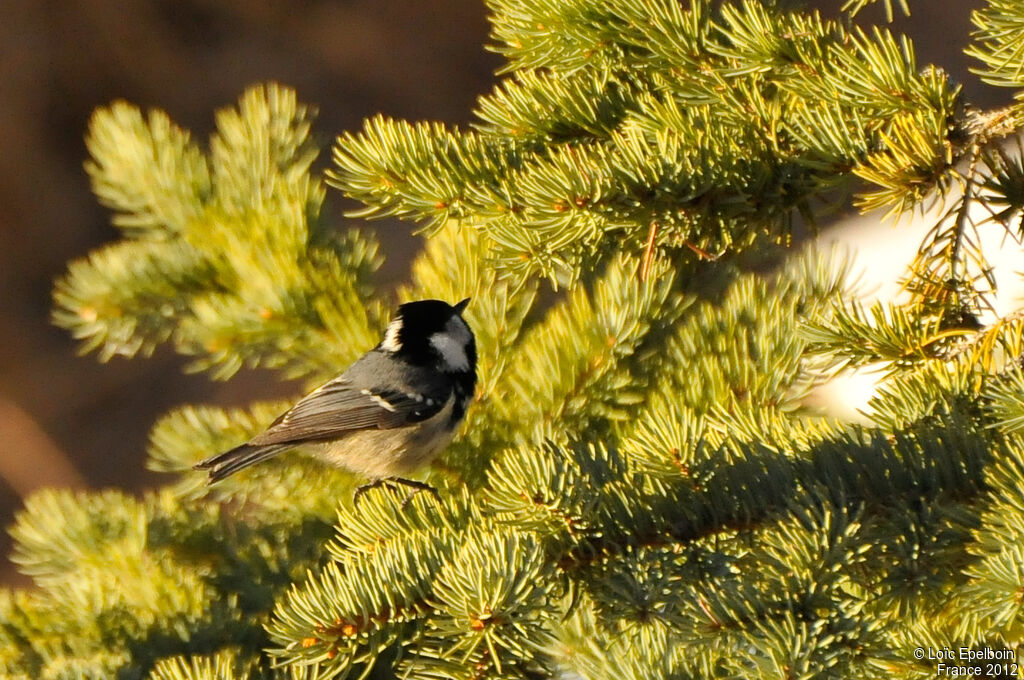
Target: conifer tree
column 637, row 491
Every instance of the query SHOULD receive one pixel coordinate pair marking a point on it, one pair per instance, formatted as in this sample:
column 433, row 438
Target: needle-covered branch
column 641, row 487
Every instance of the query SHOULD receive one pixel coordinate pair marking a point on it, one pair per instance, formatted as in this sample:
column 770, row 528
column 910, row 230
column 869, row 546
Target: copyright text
column 971, row 662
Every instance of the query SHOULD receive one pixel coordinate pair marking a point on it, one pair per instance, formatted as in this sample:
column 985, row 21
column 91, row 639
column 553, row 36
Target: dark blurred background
column 67, row 420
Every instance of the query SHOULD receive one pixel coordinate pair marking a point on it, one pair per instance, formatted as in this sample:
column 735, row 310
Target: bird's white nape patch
column 451, row 344
column 391, row 342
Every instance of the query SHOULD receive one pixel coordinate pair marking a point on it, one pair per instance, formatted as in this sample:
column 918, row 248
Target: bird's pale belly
column 394, row 452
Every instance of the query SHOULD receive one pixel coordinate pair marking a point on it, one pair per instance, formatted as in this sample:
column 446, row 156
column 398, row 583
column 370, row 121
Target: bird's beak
column 461, row 306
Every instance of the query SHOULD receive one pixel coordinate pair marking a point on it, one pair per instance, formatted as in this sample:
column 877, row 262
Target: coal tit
column 390, row 412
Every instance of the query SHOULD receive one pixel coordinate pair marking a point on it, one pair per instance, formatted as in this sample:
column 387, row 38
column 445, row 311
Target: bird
column 389, row 413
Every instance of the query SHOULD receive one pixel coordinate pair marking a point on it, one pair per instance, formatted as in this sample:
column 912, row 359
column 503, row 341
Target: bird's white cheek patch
column 452, row 350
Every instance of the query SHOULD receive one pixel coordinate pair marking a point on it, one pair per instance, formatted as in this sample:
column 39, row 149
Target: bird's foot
column 394, row 482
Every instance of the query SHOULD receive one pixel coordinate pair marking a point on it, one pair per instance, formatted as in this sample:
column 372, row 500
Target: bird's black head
column 432, row 332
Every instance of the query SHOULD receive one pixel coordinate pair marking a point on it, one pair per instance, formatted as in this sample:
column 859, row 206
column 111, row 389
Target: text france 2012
column 964, row 662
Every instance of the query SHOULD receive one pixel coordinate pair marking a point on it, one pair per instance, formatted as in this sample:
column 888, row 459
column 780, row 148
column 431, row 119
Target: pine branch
column 220, row 667
column 237, row 271
column 565, row 166
column 855, row 6
column 638, row 490
column 998, row 43
column 146, row 169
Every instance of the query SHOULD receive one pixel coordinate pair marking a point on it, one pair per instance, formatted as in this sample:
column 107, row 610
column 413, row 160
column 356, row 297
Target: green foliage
column 151, row 579
column 639, row 490
column 999, row 43
column 234, row 265
column 855, row 6
column 624, row 118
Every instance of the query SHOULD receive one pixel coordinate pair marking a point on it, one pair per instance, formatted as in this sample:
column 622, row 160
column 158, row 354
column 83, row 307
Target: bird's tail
column 230, row 462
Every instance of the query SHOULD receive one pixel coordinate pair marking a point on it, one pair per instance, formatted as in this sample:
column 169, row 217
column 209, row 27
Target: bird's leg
column 366, row 487
column 393, row 482
column 416, row 487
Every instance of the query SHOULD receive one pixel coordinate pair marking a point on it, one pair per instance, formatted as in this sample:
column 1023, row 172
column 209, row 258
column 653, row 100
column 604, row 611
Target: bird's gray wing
column 341, row 405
